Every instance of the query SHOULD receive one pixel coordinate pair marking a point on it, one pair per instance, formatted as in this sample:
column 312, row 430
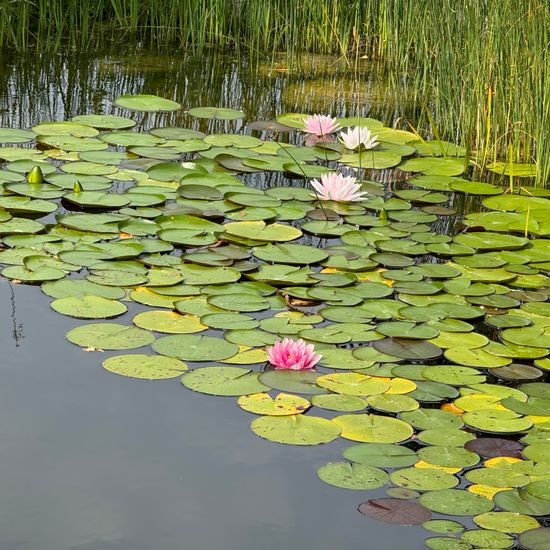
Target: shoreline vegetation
column 478, row 68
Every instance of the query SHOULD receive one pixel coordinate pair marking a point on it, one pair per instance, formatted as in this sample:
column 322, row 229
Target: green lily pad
column 145, row 367
column 448, row 456
column 169, row 322
column 423, row 479
column 455, row 502
column 109, row 336
column 88, row 168
column 491, row 241
column 407, row 331
column 427, row 419
column 65, row 129
column 535, row 539
column 353, row 383
column 13, row 135
column 371, row 428
column 506, row 522
column 432, row 392
column 296, row 429
column 443, row 526
column 485, row 538
column 219, row 113
column 478, row 358
column 259, row 231
column 445, row 436
column 407, row 349
column 522, row 502
column 522, row 170
column 146, row 102
column 453, row 375
column 435, row 166
column 497, row 421
column 382, row 455
column 294, row 254
column 392, row 403
column 539, row 489
column 352, row 476
column 105, row 122
column 196, row 348
column 283, row 404
column 292, row 381
column 38, row 275
column 340, row 403
column 95, row 199
column 225, row 381
column 88, row 307
column 446, row 543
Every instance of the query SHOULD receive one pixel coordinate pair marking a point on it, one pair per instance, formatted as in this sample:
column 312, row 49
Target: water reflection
column 40, row 86
column 17, row 327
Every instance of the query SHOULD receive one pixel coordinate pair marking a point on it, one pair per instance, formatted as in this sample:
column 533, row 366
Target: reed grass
column 480, row 67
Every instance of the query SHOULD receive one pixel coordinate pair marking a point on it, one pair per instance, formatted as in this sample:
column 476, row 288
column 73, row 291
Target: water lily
column 335, row 187
column 321, row 125
column 358, row 137
column 293, row 355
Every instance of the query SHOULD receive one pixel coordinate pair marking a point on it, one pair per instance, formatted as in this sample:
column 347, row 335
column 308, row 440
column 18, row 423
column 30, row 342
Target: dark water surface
column 93, row 461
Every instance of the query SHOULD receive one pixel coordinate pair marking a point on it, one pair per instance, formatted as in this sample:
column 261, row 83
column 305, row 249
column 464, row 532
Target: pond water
column 428, row 297
column 92, row 461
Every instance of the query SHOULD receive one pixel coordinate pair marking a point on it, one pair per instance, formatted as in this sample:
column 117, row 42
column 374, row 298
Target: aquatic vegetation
column 429, row 330
column 358, row 137
column 339, row 188
column 450, row 65
column 293, row 355
column 320, row 125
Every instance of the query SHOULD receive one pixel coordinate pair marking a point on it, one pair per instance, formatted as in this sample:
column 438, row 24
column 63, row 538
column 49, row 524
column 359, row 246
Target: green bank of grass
column 480, row 67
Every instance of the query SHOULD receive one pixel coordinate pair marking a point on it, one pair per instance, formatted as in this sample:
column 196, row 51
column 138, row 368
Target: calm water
column 92, row 461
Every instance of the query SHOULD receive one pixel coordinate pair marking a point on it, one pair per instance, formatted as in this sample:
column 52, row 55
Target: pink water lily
column 358, row 137
column 320, row 125
column 293, row 355
column 335, row 187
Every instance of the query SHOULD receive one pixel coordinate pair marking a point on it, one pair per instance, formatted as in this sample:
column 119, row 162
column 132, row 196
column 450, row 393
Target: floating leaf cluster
column 434, row 342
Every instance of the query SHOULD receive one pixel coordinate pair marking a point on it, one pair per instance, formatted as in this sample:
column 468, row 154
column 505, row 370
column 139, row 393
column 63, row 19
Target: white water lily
column 357, row 137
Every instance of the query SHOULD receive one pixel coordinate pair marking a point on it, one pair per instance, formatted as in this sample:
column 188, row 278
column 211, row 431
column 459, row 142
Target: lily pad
column 352, row 476
column 296, row 429
column 197, row 348
column 169, row 322
column 535, row 539
column 371, row 428
column 146, row 102
column 423, row 479
column 109, row 336
column 455, row 502
column 497, row 421
column 225, row 381
column 220, row 113
column 282, row 404
column 506, row 522
column 393, row 510
column 145, row 367
column 341, row 403
column 88, row 307
column 292, row 381
column 382, row 455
